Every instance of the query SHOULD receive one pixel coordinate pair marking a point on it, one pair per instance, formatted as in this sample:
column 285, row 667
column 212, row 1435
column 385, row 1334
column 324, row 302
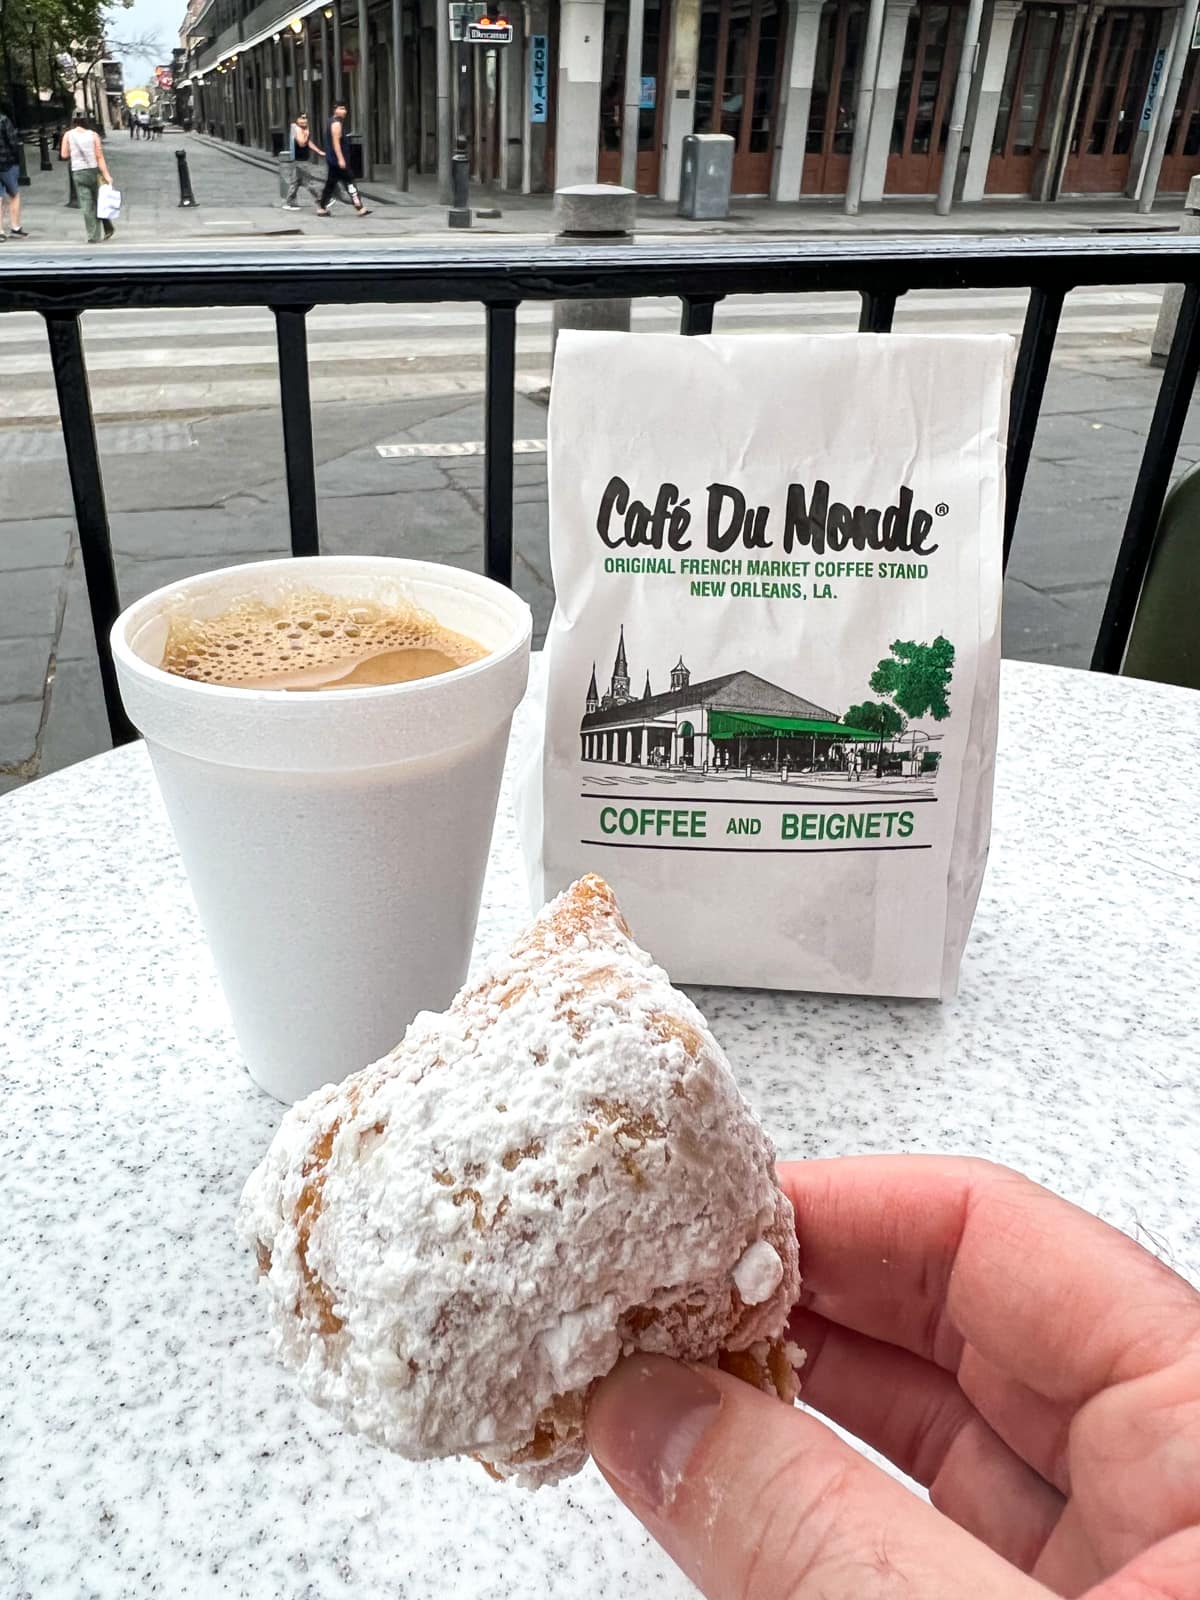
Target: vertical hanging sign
column 539, row 77
column 1156, row 72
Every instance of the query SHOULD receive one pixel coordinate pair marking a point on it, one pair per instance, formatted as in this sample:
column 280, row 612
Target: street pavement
column 191, row 448
column 238, row 197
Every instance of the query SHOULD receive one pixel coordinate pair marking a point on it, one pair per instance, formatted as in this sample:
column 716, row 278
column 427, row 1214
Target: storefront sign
column 1156, row 72
column 649, row 94
column 485, row 32
column 539, row 77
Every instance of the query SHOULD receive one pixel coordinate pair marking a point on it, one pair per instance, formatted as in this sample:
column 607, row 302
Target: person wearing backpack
column 82, row 148
column 10, row 176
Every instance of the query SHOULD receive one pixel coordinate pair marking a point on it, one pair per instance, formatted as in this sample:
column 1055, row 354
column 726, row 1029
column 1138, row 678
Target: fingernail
column 645, row 1422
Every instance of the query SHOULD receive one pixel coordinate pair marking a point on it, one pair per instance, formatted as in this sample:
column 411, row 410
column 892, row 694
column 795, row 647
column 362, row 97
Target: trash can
column 278, row 138
column 355, row 151
column 286, row 165
column 706, row 177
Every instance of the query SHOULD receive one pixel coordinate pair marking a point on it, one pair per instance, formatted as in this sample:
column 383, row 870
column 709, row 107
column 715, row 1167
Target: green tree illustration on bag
column 916, row 677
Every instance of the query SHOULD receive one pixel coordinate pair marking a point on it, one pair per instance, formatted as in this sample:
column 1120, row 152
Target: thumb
column 754, row 1498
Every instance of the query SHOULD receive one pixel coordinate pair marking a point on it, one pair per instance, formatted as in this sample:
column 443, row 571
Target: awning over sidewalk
column 731, row 725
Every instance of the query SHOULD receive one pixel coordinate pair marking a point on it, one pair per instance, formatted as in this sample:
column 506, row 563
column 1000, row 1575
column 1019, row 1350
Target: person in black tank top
column 337, row 159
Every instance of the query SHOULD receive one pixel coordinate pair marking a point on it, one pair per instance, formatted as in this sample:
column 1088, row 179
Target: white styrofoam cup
column 335, row 841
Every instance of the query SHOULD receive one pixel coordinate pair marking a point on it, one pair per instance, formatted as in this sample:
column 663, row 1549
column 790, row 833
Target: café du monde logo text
column 810, row 519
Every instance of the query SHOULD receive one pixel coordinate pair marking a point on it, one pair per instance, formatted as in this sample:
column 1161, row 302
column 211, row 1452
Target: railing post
column 296, row 410
column 498, row 441
column 877, row 311
column 87, row 492
column 1029, row 385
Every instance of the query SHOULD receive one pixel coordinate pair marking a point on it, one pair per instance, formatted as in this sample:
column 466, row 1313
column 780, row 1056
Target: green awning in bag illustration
column 728, row 725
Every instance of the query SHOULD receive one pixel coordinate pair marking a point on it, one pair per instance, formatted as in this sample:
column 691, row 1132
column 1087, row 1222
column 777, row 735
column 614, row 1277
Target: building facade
column 737, row 722
column 1063, row 97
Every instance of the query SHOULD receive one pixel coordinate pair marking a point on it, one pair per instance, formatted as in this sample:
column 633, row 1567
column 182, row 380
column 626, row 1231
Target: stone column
column 364, row 89
column 513, row 72
column 984, row 108
column 804, row 28
column 680, row 88
column 282, row 111
column 580, row 60
column 1159, row 67
column 533, row 168
column 325, row 108
column 399, row 111
column 887, row 83
column 632, row 113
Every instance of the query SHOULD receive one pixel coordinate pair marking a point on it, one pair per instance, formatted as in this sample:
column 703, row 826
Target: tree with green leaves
column 52, row 44
column 879, row 718
column 916, row 677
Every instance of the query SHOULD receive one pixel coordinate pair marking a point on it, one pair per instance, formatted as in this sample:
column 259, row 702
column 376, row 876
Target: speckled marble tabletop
column 148, row 1445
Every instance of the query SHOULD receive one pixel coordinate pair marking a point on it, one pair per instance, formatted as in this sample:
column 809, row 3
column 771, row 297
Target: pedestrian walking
column 81, row 146
column 10, row 176
column 301, row 148
column 337, row 160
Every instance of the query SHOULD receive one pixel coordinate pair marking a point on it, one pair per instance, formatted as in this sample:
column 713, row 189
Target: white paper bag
column 772, row 669
column 108, row 203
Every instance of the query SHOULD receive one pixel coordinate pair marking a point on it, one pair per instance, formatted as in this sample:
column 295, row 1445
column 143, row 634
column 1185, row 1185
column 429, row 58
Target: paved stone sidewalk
column 237, row 194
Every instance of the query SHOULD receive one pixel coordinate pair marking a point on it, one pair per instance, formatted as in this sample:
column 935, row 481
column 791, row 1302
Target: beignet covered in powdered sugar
column 459, row 1240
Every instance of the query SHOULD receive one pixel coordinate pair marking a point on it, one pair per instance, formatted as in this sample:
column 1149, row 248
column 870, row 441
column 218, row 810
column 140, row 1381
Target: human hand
column 1036, row 1369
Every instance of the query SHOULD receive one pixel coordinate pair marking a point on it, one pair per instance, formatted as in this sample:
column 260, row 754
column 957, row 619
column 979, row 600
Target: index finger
column 934, row 1252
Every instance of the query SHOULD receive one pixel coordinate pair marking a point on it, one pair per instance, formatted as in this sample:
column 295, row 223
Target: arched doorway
column 1110, row 108
column 832, row 107
column 686, row 745
column 1026, row 100
column 737, row 83
column 923, row 99
column 612, row 93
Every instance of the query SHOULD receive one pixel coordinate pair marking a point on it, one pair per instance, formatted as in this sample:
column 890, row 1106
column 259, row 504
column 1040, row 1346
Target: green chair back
column 1165, row 642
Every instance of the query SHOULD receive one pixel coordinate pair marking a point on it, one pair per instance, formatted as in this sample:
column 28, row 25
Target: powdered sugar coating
column 460, row 1239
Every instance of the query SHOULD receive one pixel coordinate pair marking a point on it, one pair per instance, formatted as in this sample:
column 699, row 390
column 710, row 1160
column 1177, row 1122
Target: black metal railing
column 700, row 275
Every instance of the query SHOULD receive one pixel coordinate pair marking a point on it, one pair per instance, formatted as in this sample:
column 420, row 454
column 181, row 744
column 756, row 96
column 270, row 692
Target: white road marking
column 456, row 447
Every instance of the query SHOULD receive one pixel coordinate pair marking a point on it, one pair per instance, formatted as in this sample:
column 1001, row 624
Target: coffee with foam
column 304, row 640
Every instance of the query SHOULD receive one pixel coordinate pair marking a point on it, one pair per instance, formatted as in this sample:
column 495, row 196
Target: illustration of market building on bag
column 742, row 725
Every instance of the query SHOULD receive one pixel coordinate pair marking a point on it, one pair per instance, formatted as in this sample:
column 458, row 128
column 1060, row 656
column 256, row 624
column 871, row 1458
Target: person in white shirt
column 82, row 148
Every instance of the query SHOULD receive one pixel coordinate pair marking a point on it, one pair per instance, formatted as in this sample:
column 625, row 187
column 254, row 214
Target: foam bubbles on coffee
column 303, row 639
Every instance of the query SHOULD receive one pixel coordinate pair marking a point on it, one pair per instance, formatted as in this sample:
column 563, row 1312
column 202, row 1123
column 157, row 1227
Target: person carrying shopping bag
column 81, row 146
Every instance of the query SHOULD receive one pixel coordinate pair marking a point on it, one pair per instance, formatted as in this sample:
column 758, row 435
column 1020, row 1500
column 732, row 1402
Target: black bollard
column 45, row 164
column 186, row 197
column 24, row 180
column 72, row 194
column 459, row 215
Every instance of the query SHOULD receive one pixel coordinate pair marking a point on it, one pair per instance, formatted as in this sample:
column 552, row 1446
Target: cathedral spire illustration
column 593, row 694
column 620, row 675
